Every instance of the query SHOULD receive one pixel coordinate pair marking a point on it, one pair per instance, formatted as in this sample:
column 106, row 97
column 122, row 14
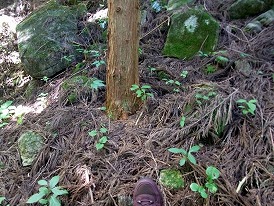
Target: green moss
column 191, row 32
column 29, row 145
column 46, row 36
column 171, row 178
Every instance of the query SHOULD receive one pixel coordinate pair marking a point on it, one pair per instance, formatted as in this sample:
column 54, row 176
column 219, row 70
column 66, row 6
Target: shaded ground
column 241, row 147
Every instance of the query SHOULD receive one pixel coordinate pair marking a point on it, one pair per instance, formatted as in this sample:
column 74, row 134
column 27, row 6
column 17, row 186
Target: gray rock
column 246, row 8
column 29, row 145
column 47, row 36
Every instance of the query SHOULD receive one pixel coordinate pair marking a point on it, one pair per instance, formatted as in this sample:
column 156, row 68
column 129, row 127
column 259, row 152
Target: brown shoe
column 146, row 192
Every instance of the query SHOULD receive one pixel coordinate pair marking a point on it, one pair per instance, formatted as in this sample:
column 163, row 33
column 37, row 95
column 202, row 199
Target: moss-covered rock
column 29, row 145
column 47, row 36
column 191, row 32
column 245, row 8
column 171, row 178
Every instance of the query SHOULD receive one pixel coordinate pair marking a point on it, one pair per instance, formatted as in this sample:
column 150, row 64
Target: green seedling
column 101, row 143
column 202, row 54
column 200, row 189
column 174, row 83
column 68, row 58
column 200, row 97
column 99, row 63
column 184, row 74
column 186, row 155
column 212, row 174
column 247, row 106
column 222, row 60
column 103, row 138
column 48, row 193
column 45, row 79
column 141, row 92
column 6, row 111
column 210, row 69
column 96, row 83
column 182, row 121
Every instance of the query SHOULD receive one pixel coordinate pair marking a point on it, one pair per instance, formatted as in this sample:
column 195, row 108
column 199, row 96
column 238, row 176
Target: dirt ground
column 240, row 146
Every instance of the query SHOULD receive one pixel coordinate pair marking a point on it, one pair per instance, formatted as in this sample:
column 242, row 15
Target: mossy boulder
column 246, row 8
column 171, row 178
column 29, row 145
column 191, row 32
column 47, row 36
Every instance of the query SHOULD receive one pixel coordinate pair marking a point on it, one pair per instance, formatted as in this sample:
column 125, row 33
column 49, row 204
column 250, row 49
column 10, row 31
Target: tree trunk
column 122, row 68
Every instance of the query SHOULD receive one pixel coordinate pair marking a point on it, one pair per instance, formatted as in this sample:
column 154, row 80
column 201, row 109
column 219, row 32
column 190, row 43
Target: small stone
column 29, row 145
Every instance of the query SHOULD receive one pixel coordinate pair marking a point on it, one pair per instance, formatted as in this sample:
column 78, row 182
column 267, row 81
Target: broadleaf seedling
column 142, row 92
column 48, row 193
column 247, row 106
column 187, row 156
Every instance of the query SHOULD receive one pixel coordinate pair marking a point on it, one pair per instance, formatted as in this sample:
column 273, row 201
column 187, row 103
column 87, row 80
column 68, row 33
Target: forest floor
column 240, row 146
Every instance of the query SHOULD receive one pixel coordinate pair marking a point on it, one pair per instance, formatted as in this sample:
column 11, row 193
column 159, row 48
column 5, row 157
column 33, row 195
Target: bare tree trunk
column 122, row 68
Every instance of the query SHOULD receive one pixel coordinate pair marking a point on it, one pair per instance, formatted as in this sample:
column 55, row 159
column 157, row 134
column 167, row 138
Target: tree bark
column 122, row 67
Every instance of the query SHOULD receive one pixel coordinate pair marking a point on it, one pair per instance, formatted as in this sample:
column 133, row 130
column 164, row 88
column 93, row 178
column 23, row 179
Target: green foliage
column 247, row 106
column 176, row 84
column 201, row 97
column 171, row 178
column 184, row 74
column 98, row 63
column 222, row 60
column 200, row 189
column 101, row 134
column 212, row 174
column 210, row 69
column 48, row 193
column 158, row 5
column 7, row 110
column 141, row 92
column 45, row 79
column 96, row 83
column 186, row 155
column 182, row 121
column 101, row 143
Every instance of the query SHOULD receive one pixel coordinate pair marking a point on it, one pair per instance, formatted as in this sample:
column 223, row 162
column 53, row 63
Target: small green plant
column 6, row 111
column 176, row 84
column 222, row 60
column 200, row 97
column 140, row 51
column 247, row 106
column 212, row 174
column 184, row 74
column 182, row 121
column 45, row 79
column 186, row 155
column 48, row 192
column 96, row 83
column 142, row 92
column 210, row 69
column 99, row 63
column 68, row 58
column 202, row 54
column 103, row 138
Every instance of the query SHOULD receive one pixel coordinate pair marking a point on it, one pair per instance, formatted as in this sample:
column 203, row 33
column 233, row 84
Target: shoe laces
column 145, row 202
